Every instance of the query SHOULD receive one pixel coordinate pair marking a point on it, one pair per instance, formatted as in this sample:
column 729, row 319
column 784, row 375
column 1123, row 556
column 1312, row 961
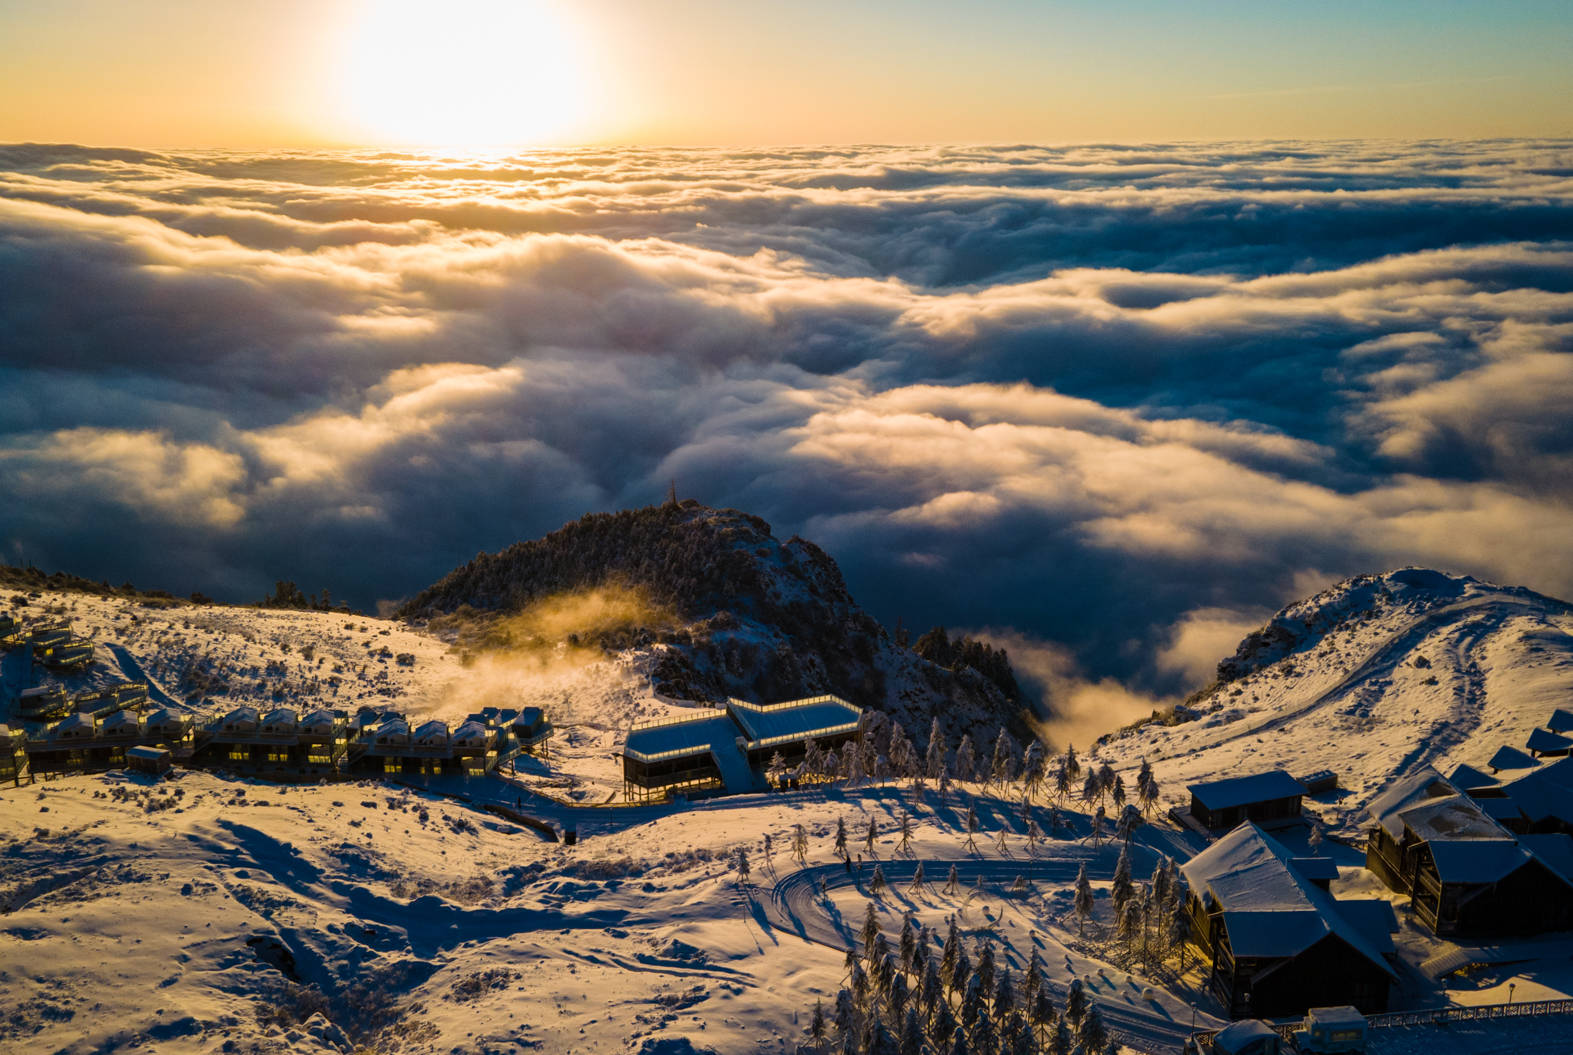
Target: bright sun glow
column 462, row 73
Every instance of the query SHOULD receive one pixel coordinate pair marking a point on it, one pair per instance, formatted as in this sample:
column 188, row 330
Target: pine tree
column 986, row 968
column 1092, row 1034
column 770, row 851
column 742, row 866
column 1060, row 1040
column 905, row 842
column 966, row 760
column 972, row 829
column 911, row 1034
column 1032, row 769
column 1130, row 819
column 1019, row 885
column 934, row 758
column 1002, row 769
column 907, row 944
column 870, row 929
column 818, row 1028
column 1117, row 791
column 1004, row 994
column 800, row 844
column 841, row 839
column 1082, row 905
column 953, row 882
column 1064, row 782
column 984, row 1035
column 1075, row 1003
column 1098, row 819
column 1106, row 780
column 958, row 1043
column 999, row 840
column 877, row 882
column 917, row 879
column 873, row 832
column 1090, row 788
column 950, row 954
column 1314, row 840
column 1034, row 836
column 1146, row 787
column 1121, row 888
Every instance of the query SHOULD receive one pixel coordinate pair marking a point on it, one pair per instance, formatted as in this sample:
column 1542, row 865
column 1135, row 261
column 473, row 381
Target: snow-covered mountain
column 724, row 609
column 1371, row 678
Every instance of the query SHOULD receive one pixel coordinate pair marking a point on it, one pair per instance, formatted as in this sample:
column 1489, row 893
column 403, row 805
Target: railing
column 1427, row 1017
column 677, row 719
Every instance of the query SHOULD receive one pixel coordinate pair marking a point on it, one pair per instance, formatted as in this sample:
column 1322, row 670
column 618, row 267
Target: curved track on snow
column 796, row 906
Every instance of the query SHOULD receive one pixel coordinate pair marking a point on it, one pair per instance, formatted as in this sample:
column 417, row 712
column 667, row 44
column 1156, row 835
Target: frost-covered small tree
column 1090, row 788
column 1002, row 768
column 1314, row 840
column 905, row 841
column 1034, row 836
column 1130, row 819
column 972, row 829
column 841, row 839
column 1160, row 881
column 876, row 883
column 1121, row 889
column 911, row 1033
column 1106, row 780
column 951, row 950
column 1004, row 993
column 900, row 754
column 1098, row 819
column 978, row 890
column 1032, row 769
column 1131, row 924
column 1019, row 885
column 770, row 851
column 845, row 1017
column 1060, row 1042
column 966, row 760
column 855, row 771
column 916, row 886
column 800, row 844
column 776, row 769
column 870, row 929
column 742, row 866
column 1075, row 1004
column 953, row 883
column 1082, row 905
column 934, row 756
column 1117, row 791
column 1146, row 787
column 999, row 840
column 1064, row 782
column 870, row 836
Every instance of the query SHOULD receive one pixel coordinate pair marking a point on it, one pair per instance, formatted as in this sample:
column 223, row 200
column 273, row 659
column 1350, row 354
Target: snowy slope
column 1372, row 678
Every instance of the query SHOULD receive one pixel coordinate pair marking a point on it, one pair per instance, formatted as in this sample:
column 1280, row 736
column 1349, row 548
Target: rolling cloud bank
column 1114, row 403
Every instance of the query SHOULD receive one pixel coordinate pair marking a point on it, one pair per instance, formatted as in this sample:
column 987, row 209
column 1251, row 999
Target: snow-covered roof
column 1316, row 868
column 1511, row 758
column 164, row 718
column 432, row 732
column 1240, row 1036
column 75, row 726
column 1455, row 817
column 1238, row 791
column 1341, row 1017
column 1555, row 851
column 1546, row 792
column 1468, row 778
column 470, row 734
column 779, row 723
column 241, row 718
column 281, row 718
column 1424, row 783
column 689, row 736
column 1561, row 720
column 528, row 718
column 1269, row 909
column 119, row 722
column 1545, row 740
column 41, row 691
column 392, row 731
column 1374, row 918
column 151, row 754
column 318, row 720
column 1477, row 860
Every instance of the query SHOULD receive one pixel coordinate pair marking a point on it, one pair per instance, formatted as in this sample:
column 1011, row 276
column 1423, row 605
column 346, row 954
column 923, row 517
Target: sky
column 510, row 73
column 1165, row 316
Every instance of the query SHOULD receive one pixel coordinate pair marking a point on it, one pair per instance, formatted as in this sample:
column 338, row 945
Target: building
column 154, row 761
column 10, row 631
column 277, row 745
column 1278, row 943
column 1261, row 798
column 43, row 703
column 13, row 757
column 1466, row 873
column 728, row 749
column 386, row 746
column 531, row 732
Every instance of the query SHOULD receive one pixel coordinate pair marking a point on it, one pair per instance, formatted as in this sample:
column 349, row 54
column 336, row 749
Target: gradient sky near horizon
column 500, row 73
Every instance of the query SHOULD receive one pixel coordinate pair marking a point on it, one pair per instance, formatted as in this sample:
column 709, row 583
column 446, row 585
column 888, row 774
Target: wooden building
column 13, row 757
column 728, row 749
column 278, row 745
column 43, row 703
column 1261, row 798
column 1466, row 873
column 1278, row 944
column 153, row 761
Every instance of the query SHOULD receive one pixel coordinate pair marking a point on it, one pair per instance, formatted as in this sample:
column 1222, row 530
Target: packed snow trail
column 795, row 906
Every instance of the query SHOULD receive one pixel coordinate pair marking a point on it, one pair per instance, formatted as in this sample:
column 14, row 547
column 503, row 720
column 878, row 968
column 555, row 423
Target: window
column 239, row 754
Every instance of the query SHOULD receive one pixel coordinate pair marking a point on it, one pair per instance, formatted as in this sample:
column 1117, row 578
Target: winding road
column 797, row 906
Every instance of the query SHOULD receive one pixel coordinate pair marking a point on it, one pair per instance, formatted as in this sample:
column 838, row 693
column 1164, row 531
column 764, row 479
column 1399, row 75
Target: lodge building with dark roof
column 1261, row 798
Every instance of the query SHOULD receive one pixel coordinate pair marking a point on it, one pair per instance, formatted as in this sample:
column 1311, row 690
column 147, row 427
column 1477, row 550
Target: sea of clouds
column 1115, row 403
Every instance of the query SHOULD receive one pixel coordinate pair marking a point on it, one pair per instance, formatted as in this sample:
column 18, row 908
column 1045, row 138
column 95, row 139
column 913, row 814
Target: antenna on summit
column 671, row 492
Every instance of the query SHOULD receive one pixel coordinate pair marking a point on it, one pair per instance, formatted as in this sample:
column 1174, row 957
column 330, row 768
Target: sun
column 468, row 74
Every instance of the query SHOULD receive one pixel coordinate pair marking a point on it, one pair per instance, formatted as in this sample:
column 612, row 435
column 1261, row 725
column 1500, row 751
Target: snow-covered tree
column 934, row 757
column 917, row 879
column 953, row 883
column 1090, row 788
column 1091, row 1033
column 876, row 883
column 1314, row 840
column 1002, row 768
column 1034, row 835
column 1033, row 769
column 1130, row 819
column 1098, row 819
column 966, row 759
column 870, row 929
column 904, row 843
column 775, row 769
column 800, row 844
column 770, row 851
column 841, row 838
column 1076, row 1004
column 1019, row 885
column 1082, row 905
column 1117, row 791
column 818, row 1027
column 742, row 866
column 870, row 836
column 1121, row 889
column 972, row 829
column 1146, row 787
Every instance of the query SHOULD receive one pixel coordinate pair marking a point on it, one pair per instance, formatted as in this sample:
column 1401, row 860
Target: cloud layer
column 1123, row 400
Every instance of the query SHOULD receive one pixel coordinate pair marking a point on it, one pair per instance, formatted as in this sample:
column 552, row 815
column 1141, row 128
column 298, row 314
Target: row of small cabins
column 1479, row 856
column 52, row 643
column 728, row 749
column 280, row 744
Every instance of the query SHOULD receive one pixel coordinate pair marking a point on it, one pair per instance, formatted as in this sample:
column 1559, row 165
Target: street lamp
column 1510, row 987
